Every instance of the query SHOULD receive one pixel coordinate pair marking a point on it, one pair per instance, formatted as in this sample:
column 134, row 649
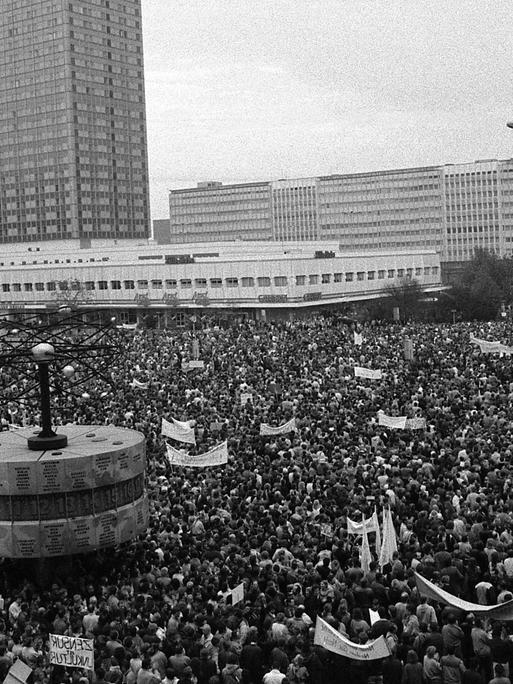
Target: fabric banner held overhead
column 289, row 426
column 178, row 430
column 328, row 637
column 501, row 611
column 214, row 457
column 367, row 373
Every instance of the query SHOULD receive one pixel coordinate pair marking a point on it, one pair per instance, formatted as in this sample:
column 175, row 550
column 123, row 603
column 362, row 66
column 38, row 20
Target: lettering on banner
column 71, row 651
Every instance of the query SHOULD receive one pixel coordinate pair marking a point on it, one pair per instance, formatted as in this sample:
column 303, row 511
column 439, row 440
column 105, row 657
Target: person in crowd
column 275, row 517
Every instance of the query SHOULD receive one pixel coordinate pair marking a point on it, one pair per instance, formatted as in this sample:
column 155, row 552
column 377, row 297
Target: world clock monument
column 79, row 488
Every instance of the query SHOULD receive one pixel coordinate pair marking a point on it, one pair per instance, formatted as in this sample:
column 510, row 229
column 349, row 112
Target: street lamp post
column 43, row 354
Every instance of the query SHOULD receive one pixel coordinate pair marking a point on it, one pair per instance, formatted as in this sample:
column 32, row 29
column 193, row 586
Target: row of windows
column 186, row 283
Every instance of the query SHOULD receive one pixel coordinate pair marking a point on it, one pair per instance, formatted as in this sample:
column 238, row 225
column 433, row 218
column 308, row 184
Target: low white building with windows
column 257, row 279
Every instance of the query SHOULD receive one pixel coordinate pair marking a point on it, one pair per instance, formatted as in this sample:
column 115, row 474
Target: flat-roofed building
column 254, row 278
column 213, row 212
column 452, row 209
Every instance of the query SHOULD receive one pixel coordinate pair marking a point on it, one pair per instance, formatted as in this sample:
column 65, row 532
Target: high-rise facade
column 213, row 211
column 452, row 209
column 73, row 151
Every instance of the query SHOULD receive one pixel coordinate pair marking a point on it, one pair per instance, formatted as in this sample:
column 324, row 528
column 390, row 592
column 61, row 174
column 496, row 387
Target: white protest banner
column 491, row 347
column 395, row 422
column 378, row 533
column 175, row 456
column 367, row 373
column 408, row 349
column 135, row 384
column 365, row 552
column 371, row 525
column 358, row 338
column 238, row 594
column 214, row 457
column 191, row 365
column 289, row 426
column 501, row 611
column 245, row 397
column 178, row 430
column 389, row 545
column 374, row 616
column 415, row 423
column 328, row 637
column 71, row 651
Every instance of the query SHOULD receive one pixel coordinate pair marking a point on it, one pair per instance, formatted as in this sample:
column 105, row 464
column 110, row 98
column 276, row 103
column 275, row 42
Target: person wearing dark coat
column 251, row 659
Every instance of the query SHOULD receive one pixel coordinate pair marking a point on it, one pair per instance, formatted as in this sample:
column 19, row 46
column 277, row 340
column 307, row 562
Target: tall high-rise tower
column 73, row 152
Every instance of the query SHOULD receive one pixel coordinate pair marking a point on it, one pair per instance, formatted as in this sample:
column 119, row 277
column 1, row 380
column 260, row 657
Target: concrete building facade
column 256, row 279
column 213, row 212
column 73, row 151
column 452, row 209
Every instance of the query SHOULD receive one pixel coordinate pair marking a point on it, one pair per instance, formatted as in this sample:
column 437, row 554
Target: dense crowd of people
column 275, row 517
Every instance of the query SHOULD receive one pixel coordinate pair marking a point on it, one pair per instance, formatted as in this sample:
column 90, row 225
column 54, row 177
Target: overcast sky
column 241, row 90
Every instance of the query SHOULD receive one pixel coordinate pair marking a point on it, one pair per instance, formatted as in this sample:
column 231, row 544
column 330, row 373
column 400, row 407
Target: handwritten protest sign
column 71, row 651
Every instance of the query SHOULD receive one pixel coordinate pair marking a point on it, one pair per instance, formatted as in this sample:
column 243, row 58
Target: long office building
column 73, row 151
column 452, row 209
column 251, row 279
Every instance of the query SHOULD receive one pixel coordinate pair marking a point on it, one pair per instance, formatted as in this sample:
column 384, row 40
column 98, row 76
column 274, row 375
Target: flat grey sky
column 241, row 90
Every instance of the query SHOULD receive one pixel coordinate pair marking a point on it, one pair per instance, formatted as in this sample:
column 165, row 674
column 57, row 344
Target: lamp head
column 68, row 371
column 43, row 352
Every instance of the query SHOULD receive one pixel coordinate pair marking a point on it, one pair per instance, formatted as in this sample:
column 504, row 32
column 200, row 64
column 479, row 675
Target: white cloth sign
column 358, row 339
column 245, row 397
column 501, row 611
column 289, row 426
column 328, row 637
column 367, row 373
column 214, row 457
column 371, row 525
column 238, row 594
column 374, row 616
column 365, row 552
column 408, row 349
column 491, row 347
column 395, row 422
column 389, row 545
column 178, row 430
column 135, row 384
column 71, row 651
column 191, row 365
column 415, row 423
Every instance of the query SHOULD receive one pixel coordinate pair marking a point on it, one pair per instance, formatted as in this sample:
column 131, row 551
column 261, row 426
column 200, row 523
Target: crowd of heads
column 275, row 517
